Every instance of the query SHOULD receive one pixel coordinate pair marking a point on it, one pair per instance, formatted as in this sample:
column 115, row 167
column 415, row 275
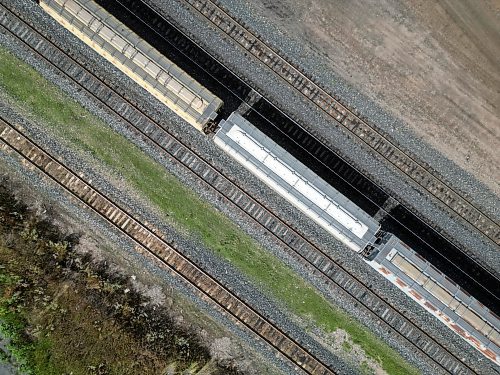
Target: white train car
column 437, row 294
column 296, row 183
column 137, row 59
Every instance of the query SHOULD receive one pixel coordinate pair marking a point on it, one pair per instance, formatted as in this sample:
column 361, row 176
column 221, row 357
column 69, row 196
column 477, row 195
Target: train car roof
column 136, row 58
column 433, row 288
column 355, row 220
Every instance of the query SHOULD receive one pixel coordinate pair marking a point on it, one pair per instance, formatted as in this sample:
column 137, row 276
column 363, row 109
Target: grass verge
column 182, row 207
column 67, row 313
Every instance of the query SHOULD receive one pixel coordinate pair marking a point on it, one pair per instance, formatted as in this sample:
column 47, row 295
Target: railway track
column 374, row 138
column 154, row 244
column 308, row 253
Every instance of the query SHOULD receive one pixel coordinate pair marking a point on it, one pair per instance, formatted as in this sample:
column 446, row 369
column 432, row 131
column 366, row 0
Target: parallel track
column 297, row 245
column 153, row 242
column 370, row 135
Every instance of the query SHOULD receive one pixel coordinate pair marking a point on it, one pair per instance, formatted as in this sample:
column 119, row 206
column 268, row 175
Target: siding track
column 306, row 252
column 418, row 171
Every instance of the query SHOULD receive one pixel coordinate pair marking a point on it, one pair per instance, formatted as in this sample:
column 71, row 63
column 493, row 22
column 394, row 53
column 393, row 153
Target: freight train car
column 295, row 182
column 438, row 294
column 137, row 59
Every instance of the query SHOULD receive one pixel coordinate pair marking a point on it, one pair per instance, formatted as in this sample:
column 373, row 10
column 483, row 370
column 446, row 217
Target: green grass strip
column 183, row 207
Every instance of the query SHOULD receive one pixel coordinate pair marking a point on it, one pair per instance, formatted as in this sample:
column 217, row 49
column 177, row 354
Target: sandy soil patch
column 433, row 64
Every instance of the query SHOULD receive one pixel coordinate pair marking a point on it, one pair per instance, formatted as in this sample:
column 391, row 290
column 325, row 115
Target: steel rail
column 153, row 242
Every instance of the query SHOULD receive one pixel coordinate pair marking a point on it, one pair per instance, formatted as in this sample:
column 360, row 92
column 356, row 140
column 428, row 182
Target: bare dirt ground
column 435, row 64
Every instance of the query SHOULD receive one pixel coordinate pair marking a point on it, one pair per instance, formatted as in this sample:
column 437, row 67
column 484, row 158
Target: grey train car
column 137, row 59
column 295, row 182
column 437, row 294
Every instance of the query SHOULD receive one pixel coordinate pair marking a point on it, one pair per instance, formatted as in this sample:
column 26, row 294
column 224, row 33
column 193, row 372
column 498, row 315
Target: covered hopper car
column 137, row 59
column 295, row 182
column 437, row 294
